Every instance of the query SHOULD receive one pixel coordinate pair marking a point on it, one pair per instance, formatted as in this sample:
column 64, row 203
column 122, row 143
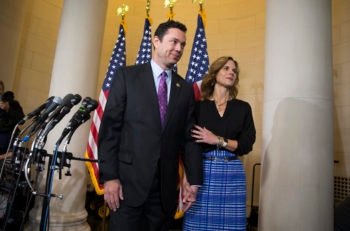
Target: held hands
column 189, row 194
column 113, row 191
column 203, row 135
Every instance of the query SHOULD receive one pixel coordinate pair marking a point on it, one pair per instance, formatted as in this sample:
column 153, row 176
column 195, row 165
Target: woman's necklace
column 221, row 107
column 220, row 104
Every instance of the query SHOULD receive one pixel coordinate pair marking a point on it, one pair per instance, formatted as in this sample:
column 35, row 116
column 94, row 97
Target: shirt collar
column 157, row 70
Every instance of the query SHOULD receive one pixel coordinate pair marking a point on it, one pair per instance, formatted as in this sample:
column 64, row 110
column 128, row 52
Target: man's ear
column 156, row 41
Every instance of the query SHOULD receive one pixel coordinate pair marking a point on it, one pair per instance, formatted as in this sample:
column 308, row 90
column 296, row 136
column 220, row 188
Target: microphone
column 36, row 111
column 80, row 117
column 68, row 102
column 91, row 105
column 56, row 101
column 83, row 114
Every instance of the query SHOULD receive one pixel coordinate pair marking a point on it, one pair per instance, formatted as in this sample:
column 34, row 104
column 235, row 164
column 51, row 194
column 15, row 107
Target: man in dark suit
column 139, row 156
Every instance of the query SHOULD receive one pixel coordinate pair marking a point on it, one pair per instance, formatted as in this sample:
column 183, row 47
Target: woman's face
column 4, row 105
column 227, row 74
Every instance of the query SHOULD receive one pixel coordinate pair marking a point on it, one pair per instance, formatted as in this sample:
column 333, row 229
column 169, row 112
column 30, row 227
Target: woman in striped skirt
column 225, row 129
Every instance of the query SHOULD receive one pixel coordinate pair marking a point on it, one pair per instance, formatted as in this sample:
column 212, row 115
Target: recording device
column 37, row 111
column 56, row 101
column 80, row 117
column 68, row 102
column 40, row 122
column 55, row 117
column 37, row 122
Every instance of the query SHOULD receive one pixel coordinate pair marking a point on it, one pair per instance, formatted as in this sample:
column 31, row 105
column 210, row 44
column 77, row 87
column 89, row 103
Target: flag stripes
column 118, row 59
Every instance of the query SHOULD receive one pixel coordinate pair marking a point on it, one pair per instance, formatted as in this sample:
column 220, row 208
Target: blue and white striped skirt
column 221, row 200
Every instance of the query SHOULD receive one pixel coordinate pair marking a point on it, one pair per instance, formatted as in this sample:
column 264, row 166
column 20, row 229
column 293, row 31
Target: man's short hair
column 165, row 26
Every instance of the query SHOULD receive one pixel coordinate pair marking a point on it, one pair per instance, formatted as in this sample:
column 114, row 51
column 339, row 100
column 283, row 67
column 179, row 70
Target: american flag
column 199, row 60
column 118, row 59
column 145, row 51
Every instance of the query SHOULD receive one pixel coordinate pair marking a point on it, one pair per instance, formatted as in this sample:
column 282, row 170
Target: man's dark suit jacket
column 131, row 139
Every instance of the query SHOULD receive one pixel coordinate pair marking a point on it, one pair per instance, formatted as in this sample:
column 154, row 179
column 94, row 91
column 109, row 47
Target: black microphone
column 89, row 105
column 36, row 111
column 56, row 101
column 68, row 102
column 80, row 117
column 83, row 114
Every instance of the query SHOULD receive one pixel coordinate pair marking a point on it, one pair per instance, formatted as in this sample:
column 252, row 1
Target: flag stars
column 199, row 62
column 145, row 51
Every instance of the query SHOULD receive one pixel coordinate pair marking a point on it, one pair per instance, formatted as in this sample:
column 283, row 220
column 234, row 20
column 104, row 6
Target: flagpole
column 122, row 11
column 199, row 59
column 202, row 12
column 144, row 54
column 170, row 4
column 148, row 7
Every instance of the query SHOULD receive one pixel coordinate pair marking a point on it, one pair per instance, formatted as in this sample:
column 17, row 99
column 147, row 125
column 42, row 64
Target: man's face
column 169, row 51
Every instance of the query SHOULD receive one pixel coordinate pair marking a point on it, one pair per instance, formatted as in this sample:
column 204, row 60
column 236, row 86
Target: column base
column 63, row 222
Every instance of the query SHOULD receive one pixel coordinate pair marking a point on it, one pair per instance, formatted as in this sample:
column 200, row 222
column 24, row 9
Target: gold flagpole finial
column 201, row 11
column 148, row 7
column 200, row 4
column 170, row 4
column 122, row 10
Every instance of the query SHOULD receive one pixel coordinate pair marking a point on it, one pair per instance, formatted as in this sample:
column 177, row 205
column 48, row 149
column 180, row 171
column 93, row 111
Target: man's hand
column 113, row 191
column 189, row 193
column 189, row 196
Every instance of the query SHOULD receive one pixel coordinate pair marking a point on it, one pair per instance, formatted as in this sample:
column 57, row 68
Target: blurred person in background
column 11, row 113
column 2, row 87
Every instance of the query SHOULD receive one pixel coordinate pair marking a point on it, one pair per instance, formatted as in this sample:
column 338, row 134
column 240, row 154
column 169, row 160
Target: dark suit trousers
column 147, row 217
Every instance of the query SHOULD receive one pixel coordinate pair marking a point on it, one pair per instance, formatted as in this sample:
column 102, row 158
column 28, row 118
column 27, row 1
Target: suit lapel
column 147, row 81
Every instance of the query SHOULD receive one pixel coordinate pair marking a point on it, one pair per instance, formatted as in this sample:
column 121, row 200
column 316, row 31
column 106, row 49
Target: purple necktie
column 162, row 96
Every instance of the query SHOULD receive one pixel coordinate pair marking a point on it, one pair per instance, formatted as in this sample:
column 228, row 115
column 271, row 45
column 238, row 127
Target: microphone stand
column 20, row 162
column 63, row 156
column 41, row 126
column 49, row 180
column 18, row 157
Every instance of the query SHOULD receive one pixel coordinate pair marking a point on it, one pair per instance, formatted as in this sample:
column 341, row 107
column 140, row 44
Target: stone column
column 296, row 191
column 75, row 71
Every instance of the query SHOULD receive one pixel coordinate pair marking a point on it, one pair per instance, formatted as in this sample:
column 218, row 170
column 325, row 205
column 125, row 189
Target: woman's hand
column 203, row 135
